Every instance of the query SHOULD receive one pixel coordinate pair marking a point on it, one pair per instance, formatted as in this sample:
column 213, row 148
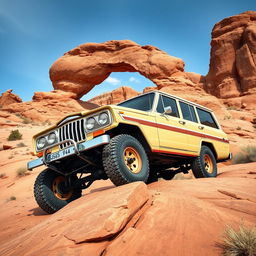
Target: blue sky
column 34, row 33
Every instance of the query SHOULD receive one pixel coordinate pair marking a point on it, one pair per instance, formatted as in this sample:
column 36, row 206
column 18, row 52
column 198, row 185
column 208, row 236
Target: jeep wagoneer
column 141, row 139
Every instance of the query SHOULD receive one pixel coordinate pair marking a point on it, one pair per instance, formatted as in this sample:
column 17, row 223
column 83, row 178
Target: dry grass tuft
column 241, row 242
column 22, row 171
column 247, row 155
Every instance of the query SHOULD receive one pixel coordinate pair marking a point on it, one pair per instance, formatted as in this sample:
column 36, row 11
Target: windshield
column 143, row 102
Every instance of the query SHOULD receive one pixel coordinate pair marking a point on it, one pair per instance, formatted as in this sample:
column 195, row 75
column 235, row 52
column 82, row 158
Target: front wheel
column 125, row 160
column 204, row 166
column 51, row 192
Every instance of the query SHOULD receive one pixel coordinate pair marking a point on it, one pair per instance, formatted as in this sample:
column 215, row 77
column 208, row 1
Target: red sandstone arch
column 87, row 65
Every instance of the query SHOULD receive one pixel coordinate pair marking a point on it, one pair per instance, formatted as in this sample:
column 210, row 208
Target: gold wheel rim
column 132, row 160
column 56, row 189
column 208, row 165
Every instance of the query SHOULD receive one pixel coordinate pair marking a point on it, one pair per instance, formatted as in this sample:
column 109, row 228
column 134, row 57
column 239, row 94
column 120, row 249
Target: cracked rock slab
column 92, row 218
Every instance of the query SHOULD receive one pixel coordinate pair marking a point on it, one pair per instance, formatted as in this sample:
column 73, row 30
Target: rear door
column 192, row 125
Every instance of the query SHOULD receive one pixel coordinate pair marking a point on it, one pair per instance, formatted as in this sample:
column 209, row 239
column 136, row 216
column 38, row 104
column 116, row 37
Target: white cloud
column 113, row 80
column 134, row 80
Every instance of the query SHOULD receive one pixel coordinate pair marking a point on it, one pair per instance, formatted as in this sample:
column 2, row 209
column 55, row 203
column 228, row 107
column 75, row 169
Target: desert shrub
column 15, row 135
column 247, row 155
column 21, row 144
column 227, row 117
column 22, row 171
column 26, row 120
column 238, row 128
column 241, row 242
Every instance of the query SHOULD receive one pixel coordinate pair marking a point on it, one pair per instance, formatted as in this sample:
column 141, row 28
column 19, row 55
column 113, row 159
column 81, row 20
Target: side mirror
column 168, row 110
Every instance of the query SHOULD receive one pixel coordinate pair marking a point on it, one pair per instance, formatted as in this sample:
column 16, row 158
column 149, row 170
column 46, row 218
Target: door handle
column 182, row 122
column 201, row 127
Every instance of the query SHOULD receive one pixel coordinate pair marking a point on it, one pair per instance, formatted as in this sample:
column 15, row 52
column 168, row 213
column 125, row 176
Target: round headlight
column 103, row 118
column 52, row 138
column 41, row 142
column 90, row 123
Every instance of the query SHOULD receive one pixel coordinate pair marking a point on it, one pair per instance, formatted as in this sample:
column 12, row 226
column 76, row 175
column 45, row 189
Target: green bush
column 239, row 243
column 247, row 155
column 15, row 135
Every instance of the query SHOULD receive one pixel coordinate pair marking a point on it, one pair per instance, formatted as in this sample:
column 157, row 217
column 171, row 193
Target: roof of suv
column 173, row 96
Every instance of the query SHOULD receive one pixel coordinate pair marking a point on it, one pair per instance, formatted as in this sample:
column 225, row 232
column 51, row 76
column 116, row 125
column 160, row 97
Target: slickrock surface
column 181, row 217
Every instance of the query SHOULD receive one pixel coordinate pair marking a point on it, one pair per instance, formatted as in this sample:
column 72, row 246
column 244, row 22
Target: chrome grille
column 72, row 130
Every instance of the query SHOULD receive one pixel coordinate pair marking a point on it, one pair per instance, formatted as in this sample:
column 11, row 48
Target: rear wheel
column 204, row 166
column 51, row 192
column 125, row 160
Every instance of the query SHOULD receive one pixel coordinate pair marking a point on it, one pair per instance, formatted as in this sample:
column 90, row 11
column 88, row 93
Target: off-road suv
column 150, row 136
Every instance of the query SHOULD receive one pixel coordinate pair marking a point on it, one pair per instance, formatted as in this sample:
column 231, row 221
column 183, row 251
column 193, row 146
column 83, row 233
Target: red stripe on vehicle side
column 175, row 129
column 172, row 153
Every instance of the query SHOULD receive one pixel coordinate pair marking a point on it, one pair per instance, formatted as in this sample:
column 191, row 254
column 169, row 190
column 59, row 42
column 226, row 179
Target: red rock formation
column 8, row 98
column 233, row 57
column 45, row 107
column 115, row 96
column 87, row 65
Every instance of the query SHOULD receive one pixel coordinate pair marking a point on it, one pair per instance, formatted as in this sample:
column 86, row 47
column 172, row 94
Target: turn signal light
column 97, row 133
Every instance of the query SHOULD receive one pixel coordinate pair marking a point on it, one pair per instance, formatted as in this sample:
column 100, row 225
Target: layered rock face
column 233, row 57
column 87, row 65
column 115, row 96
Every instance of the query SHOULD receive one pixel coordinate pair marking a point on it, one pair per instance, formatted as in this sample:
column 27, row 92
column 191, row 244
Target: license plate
column 60, row 154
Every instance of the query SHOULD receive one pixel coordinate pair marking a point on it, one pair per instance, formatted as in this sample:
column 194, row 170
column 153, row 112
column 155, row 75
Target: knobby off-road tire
column 125, row 160
column 204, row 166
column 48, row 193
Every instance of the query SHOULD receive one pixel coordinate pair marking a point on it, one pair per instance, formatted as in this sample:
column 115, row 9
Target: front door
column 172, row 138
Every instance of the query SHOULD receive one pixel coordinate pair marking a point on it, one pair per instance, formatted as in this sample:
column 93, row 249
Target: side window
column 164, row 102
column 206, row 118
column 188, row 112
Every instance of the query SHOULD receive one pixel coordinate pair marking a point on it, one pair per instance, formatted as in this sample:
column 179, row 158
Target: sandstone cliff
column 232, row 70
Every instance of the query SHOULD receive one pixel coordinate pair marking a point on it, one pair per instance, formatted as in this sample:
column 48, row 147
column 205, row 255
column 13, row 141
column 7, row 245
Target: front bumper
column 72, row 150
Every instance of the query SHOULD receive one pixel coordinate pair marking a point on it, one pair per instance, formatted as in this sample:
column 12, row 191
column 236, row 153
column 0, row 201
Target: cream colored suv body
column 150, row 136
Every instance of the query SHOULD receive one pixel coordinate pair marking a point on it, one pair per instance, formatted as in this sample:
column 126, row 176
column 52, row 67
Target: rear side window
column 164, row 102
column 188, row 112
column 206, row 118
